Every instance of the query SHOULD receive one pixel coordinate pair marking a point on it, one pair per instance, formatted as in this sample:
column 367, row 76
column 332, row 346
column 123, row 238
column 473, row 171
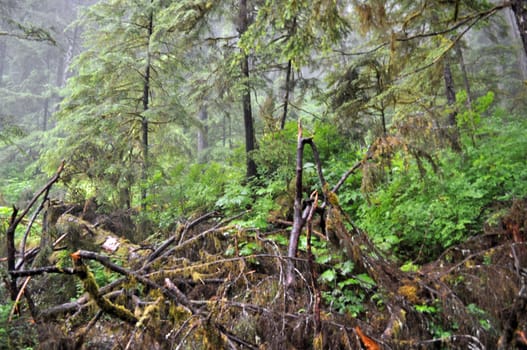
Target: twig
column 17, row 300
column 451, row 45
column 30, row 224
column 85, row 330
column 172, row 239
column 42, row 270
column 106, row 262
column 182, row 297
column 347, row 174
column 39, row 193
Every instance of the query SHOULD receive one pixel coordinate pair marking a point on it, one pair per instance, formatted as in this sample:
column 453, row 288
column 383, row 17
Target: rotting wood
column 92, row 288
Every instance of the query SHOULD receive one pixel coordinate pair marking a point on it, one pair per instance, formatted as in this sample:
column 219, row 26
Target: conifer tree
column 123, row 87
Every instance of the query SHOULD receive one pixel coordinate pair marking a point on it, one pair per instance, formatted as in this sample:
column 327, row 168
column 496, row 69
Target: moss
column 410, row 292
column 150, row 311
column 210, row 337
column 90, row 286
column 178, row 313
column 318, row 342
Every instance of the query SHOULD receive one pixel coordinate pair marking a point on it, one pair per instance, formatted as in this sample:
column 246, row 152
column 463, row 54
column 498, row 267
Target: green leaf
column 328, row 276
column 365, row 280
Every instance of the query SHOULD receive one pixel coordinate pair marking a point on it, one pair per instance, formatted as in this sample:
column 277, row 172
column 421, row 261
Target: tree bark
column 515, row 34
column 464, row 73
column 298, row 220
column 3, row 53
column 146, row 106
column 288, row 87
column 301, row 213
column 453, row 135
column 11, row 251
column 65, row 60
column 203, row 131
column 519, row 8
column 250, row 139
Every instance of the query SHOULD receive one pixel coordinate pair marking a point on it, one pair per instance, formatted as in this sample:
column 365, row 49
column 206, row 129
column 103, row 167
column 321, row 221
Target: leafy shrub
column 417, row 217
column 182, row 189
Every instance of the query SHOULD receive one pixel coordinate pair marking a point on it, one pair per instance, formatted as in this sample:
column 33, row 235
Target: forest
column 263, row 174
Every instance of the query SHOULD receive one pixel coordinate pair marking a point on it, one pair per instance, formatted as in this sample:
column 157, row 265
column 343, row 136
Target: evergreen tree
column 124, row 87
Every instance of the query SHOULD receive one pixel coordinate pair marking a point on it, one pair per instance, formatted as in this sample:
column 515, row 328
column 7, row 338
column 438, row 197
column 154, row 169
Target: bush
column 417, row 218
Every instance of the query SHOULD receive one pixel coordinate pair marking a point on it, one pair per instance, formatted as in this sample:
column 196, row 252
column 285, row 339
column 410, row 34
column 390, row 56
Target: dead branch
column 45, row 188
column 11, row 251
column 13, row 224
column 298, row 217
column 90, row 286
column 17, row 300
column 249, row 307
column 106, row 262
column 290, row 223
column 348, row 173
column 83, row 331
column 30, row 224
column 42, row 270
column 518, row 308
column 178, row 235
column 182, row 297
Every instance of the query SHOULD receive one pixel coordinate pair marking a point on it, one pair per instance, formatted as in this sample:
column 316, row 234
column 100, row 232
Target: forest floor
column 213, row 284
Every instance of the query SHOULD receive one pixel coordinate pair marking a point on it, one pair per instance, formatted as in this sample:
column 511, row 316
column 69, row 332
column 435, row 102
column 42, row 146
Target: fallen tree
column 198, row 289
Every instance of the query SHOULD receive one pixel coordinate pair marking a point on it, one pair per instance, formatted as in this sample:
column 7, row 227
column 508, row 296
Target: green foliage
column 469, row 117
column 409, row 266
column 249, row 248
column 182, row 188
column 17, row 333
column 303, row 27
column 418, row 217
column 346, row 292
column 276, row 155
column 482, row 315
column 5, row 309
column 102, row 275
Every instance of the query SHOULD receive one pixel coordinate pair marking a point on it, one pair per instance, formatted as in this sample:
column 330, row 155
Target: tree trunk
column 65, row 60
column 11, row 252
column 288, row 82
column 3, row 54
column 298, row 219
column 453, row 135
column 45, row 114
column 466, row 83
column 514, row 32
column 519, row 7
column 203, row 131
column 250, row 139
column 288, row 87
column 146, row 106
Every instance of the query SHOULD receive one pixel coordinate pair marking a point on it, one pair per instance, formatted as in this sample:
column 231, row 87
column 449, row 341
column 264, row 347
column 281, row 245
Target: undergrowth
column 417, row 217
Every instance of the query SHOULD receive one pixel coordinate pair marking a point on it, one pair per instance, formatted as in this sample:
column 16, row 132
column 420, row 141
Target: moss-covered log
column 90, row 286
